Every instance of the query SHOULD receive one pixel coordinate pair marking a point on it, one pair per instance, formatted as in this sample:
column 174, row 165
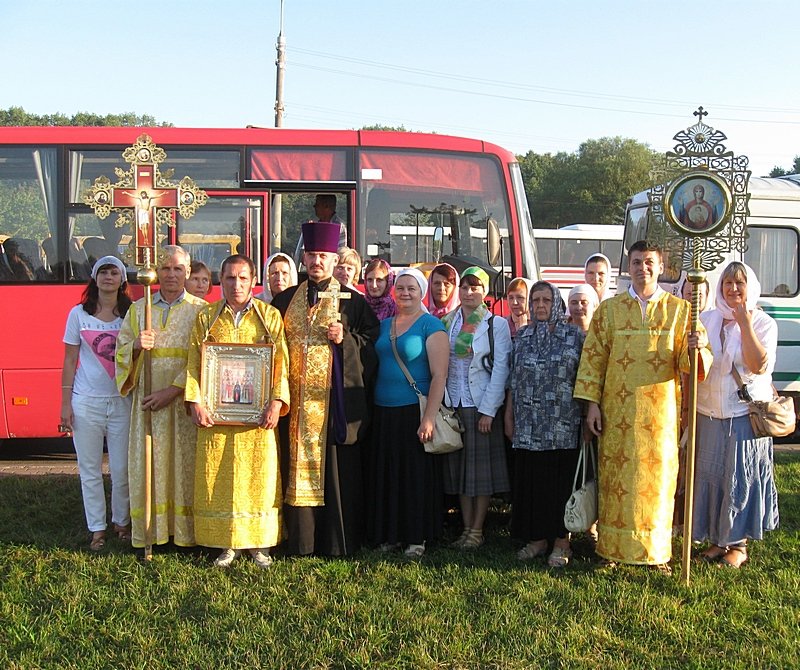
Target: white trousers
column 95, row 419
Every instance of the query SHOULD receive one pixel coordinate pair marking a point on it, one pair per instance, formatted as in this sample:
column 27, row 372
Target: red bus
column 261, row 185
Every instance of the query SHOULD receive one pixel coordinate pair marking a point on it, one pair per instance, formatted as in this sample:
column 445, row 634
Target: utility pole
column 277, row 213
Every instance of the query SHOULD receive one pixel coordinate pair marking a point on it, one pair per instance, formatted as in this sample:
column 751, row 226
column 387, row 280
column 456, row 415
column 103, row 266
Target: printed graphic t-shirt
column 98, row 342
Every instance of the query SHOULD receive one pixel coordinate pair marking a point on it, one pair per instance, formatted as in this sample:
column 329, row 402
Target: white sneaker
column 261, row 559
column 227, row 557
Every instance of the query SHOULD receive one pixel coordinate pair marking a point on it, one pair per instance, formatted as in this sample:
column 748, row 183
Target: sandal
column 713, row 554
column 473, row 540
column 559, row 557
column 461, row 539
column 663, row 568
column 735, row 557
column 530, row 551
column 123, row 532
column 414, row 550
column 98, row 540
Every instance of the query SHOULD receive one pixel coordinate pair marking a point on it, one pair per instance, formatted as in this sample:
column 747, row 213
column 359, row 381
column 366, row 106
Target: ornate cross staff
column 698, row 202
column 335, row 293
column 145, row 200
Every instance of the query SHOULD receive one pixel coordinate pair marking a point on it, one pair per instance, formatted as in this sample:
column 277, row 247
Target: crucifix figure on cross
column 145, row 198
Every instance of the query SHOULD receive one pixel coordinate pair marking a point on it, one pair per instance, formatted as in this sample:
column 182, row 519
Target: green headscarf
column 462, row 347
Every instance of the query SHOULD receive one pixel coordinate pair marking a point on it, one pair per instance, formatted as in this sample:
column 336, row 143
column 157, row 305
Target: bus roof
column 226, row 137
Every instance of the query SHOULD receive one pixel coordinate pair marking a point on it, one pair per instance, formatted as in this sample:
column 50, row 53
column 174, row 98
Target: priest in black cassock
column 330, row 332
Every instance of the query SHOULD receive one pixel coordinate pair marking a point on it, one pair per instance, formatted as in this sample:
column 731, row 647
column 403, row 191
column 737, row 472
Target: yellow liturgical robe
column 173, row 431
column 238, row 501
column 631, row 367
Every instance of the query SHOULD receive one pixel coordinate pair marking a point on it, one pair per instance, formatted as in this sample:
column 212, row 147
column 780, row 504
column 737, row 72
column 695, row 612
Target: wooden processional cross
column 144, row 200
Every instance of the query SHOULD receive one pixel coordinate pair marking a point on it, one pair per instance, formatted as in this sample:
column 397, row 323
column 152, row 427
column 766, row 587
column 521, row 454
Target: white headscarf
column 753, row 293
column 595, row 258
column 420, row 279
column 266, row 294
column 587, row 290
column 725, row 354
column 110, row 260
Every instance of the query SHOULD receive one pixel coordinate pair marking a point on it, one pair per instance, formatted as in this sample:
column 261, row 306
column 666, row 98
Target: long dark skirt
column 405, row 484
column 479, row 469
column 337, row 527
column 542, row 486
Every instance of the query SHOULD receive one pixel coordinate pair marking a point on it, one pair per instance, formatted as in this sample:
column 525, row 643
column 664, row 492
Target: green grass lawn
column 63, row 607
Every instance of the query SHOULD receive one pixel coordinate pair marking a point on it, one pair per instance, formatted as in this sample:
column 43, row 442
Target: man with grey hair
column 173, row 315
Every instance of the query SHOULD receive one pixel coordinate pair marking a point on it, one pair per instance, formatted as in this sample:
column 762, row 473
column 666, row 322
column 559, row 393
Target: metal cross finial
column 700, row 113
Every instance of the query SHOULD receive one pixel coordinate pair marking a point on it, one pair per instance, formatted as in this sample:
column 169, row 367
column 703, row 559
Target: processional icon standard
column 698, row 209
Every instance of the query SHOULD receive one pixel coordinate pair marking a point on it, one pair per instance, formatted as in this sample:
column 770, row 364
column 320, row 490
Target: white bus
column 563, row 252
column 774, row 241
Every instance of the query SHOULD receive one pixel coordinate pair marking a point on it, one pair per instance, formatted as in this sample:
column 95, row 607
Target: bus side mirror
column 492, row 241
column 438, row 236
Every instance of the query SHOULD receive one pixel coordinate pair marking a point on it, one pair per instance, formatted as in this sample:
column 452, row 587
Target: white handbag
column 580, row 511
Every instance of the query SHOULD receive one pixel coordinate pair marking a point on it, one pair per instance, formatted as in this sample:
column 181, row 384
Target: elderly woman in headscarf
column 543, row 421
column 480, row 348
column 406, row 500
column 378, row 283
column 280, row 273
column 581, row 303
column 442, row 295
column 735, row 495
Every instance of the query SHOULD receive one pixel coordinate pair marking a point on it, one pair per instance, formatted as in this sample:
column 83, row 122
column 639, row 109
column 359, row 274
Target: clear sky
column 524, row 74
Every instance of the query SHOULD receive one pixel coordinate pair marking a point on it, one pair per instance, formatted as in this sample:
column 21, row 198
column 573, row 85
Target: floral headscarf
column 539, row 331
column 451, row 304
column 384, row 306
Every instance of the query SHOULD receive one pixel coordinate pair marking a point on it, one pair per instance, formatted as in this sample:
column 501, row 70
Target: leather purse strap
column 735, row 372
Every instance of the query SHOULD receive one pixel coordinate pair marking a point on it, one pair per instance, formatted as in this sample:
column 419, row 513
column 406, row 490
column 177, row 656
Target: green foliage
column 62, row 607
column 590, row 185
column 380, row 126
column 780, row 172
column 21, row 211
column 16, row 116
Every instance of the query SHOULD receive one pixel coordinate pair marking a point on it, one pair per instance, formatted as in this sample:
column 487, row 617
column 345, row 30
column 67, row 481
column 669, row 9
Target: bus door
column 231, row 222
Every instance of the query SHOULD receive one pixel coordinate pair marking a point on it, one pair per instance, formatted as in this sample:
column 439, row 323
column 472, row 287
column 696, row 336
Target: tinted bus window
column 548, row 251
column 772, row 253
column 405, row 192
column 28, row 215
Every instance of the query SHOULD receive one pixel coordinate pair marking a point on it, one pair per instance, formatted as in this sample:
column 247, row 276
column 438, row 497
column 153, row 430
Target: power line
column 529, row 87
column 496, row 96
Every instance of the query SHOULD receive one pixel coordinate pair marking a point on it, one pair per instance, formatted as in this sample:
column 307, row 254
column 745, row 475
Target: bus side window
column 548, row 252
column 772, row 253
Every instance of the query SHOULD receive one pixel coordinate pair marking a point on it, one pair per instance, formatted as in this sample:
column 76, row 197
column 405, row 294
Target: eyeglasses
column 744, row 394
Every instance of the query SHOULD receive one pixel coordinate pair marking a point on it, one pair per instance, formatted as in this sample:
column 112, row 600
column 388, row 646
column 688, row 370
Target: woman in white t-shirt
column 91, row 406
